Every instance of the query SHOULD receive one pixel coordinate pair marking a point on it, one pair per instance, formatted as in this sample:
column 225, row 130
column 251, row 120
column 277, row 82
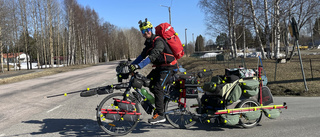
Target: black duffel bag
column 212, row 100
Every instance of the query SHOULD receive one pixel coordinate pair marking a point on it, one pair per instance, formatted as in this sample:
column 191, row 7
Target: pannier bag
column 250, row 93
column 229, row 119
column 271, row 113
column 111, row 116
column 251, row 84
column 252, row 115
column 235, row 94
column 126, row 105
column 210, row 86
column 212, row 100
column 215, row 85
column 218, row 79
column 131, row 116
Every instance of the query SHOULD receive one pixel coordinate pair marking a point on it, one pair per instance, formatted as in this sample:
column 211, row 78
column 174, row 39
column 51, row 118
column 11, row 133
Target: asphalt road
column 25, row 111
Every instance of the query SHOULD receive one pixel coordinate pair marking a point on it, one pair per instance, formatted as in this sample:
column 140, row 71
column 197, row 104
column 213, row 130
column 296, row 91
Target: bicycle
column 119, row 113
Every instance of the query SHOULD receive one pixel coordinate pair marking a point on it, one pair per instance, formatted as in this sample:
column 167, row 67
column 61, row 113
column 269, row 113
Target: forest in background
column 53, row 30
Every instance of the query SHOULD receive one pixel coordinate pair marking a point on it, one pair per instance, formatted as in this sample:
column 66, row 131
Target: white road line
column 54, row 108
column 2, row 135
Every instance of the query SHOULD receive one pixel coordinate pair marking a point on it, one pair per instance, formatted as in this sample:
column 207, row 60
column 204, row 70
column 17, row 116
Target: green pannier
column 217, row 80
column 235, row 94
column 252, row 115
column 230, row 119
column 250, row 93
column 271, row 113
column 249, row 84
column 215, row 83
column 210, row 86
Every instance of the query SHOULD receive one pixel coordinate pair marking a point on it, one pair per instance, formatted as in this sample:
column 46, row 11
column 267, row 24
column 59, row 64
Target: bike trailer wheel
column 251, row 119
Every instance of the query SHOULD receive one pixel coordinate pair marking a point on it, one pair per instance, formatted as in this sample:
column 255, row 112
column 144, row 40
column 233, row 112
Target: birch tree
column 220, row 16
column 256, row 28
column 267, row 28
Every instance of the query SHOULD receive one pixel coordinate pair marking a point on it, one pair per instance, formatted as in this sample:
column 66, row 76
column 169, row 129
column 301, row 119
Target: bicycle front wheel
column 179, row 116
column 117, row 126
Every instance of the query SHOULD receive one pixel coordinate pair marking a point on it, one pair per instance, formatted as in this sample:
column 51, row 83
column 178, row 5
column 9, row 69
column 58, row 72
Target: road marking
column 54, row 108
column 2, row 135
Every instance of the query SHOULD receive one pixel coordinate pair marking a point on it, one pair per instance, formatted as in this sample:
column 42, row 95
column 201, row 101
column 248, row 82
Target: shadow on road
column 88, row 127
column 293, row 80
column 67, row 127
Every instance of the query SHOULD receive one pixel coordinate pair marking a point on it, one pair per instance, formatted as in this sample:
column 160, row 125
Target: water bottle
column 147, row 95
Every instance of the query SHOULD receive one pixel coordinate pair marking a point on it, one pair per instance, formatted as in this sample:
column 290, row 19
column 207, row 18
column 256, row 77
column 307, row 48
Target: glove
column 134, row 67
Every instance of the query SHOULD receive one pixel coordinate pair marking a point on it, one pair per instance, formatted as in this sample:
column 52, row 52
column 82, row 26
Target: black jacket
column 159, row 53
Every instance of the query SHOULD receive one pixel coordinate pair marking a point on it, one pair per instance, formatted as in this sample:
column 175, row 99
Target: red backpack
column 165, row 30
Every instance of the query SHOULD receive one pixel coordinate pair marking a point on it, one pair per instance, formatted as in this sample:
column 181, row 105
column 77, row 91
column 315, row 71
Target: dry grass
column 35, row 73
column 288, row 81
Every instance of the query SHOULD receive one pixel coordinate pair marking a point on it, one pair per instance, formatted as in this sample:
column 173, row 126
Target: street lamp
column 186, row 45
column 169, row 12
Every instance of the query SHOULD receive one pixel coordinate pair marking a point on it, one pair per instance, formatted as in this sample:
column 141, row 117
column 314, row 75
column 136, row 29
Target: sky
column 185, row 14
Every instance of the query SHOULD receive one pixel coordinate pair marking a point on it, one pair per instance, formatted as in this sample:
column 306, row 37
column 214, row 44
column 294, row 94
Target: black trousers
column 159, row 79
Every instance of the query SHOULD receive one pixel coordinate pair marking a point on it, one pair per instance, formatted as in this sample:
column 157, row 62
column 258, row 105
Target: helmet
column 145, row 25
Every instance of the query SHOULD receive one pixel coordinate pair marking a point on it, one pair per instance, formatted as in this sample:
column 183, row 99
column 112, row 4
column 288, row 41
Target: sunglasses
column 145, row 30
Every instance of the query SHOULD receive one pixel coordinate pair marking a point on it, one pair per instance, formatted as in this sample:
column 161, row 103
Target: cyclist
column 157, row 52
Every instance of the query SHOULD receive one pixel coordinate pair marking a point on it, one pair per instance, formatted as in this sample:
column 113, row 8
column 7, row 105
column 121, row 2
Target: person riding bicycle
column 157, row 52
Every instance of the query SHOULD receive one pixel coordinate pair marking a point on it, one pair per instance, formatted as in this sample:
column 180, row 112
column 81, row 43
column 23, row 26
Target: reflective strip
column 168, row 29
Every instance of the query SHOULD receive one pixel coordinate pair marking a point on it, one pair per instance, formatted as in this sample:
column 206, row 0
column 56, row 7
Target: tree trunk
column 267, row 29
column 256, row 28
column 234, row 29
column 277, row 30
column 50, row 33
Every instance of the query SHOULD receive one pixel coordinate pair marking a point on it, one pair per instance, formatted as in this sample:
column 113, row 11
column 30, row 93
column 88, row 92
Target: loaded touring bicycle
column 236, row 98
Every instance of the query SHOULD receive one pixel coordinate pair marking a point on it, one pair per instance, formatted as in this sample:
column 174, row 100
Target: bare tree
column 256, row 28
column 24, row 22
column 222, row 13
column 267, row 28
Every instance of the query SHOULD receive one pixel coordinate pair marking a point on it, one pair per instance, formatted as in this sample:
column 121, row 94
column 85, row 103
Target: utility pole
column 169, row 8
column 186, row 42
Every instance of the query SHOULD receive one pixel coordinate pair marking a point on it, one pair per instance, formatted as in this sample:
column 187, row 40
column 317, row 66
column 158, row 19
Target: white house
column 13, row 57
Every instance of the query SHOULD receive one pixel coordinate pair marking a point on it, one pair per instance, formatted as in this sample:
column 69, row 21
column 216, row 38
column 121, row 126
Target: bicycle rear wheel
column 178, row 116
column 116, row 127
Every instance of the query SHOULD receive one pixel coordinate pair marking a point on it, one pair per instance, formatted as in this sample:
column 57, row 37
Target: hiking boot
column 157, row 119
